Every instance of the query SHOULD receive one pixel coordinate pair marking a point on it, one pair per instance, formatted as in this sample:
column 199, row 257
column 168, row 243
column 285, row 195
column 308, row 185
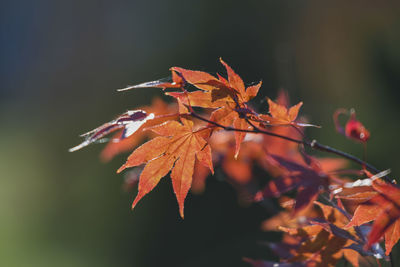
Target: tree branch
column 311, row 144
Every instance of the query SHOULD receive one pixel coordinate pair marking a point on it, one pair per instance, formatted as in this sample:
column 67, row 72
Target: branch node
column 313, row 143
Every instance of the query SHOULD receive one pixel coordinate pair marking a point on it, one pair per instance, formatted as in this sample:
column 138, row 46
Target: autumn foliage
column 327, row 210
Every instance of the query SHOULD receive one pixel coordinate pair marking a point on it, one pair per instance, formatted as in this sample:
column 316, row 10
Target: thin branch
column 257, row 130
column 311, row 144
column 315, row 145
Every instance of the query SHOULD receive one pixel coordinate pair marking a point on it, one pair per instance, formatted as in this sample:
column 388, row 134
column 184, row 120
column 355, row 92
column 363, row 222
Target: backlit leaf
column 175, row 149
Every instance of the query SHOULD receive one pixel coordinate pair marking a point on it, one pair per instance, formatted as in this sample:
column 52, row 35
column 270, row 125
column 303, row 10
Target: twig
column 311, row 144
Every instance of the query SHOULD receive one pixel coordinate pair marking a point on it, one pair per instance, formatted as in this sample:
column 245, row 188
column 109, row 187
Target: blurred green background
column 61, row 62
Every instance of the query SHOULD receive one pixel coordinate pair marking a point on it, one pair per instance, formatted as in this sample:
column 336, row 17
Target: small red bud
column 355, row 129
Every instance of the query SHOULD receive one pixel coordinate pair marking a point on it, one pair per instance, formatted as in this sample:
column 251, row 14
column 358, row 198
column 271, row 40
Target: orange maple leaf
column 239, row 171
column 228, row 96
column 384, row 210
column 321, row 242
column 285, row 218
column 281, row 115
column 177, row 148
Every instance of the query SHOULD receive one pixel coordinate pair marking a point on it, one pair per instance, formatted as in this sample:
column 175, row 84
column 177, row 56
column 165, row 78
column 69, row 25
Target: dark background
column 61, row 61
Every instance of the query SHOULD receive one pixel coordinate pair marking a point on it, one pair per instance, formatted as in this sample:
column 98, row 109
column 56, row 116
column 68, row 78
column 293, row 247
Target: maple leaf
column 175, row 81
column 239, row 171
column 285, row 218
column 280, row 115
column 280, row 147
column 207, row 82
column 160, row 109
column 228, row 96
column 352, row 197
column 321, row 242
column 236, row 82
column 384, row 210
column 129, row 123
column 309, row 181
column 176, row 149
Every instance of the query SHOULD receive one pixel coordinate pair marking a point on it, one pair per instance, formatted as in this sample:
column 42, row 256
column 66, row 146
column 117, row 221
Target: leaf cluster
column 325, row 213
